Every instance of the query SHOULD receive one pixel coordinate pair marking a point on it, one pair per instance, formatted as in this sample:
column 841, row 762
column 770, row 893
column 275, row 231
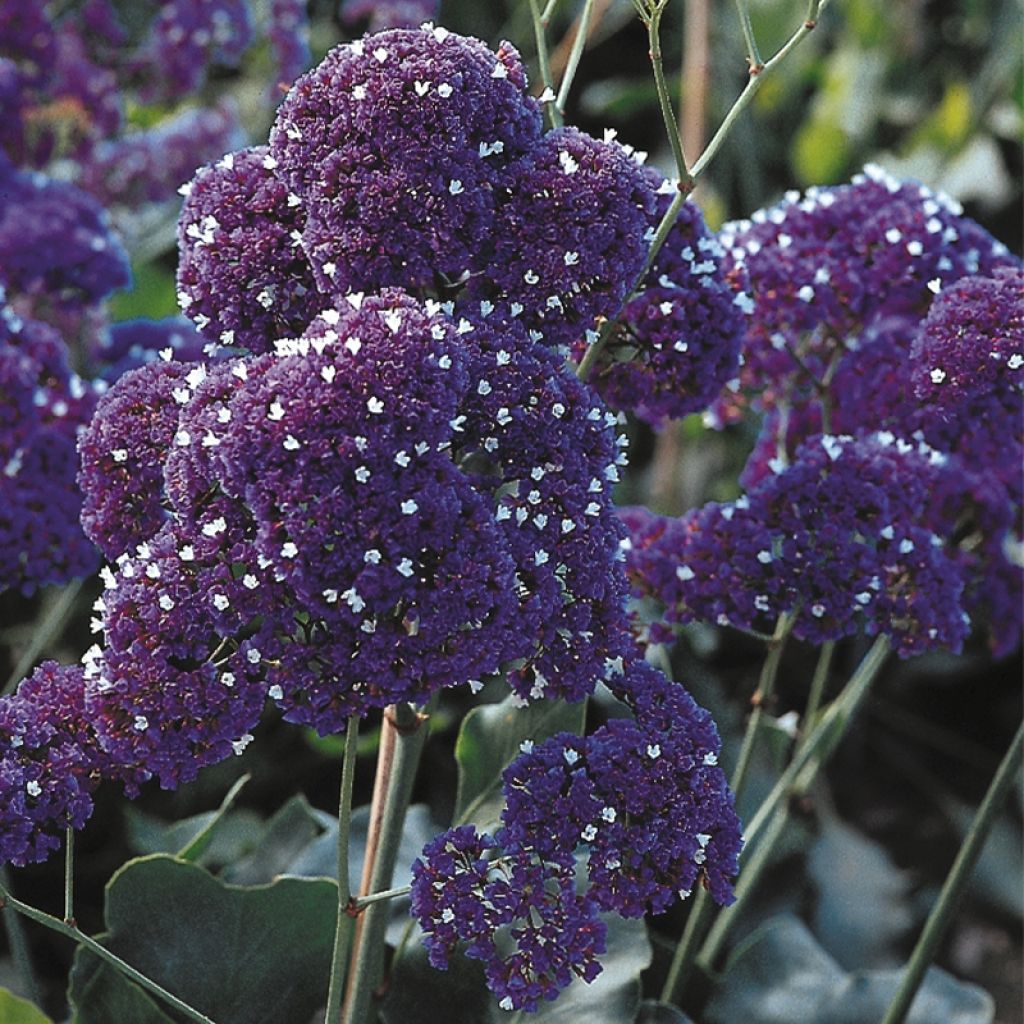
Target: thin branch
column 578, row 43
column 753, row 54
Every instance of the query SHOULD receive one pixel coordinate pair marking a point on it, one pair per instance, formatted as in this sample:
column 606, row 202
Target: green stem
column 17, row 942
column 753, row 55
column 750, row 875
column 664, row 99
column 554, row 114
column 754, row 84
column 69, row 876
column 762, row 696
column 545, row 18
column 817, row 690
column 377, row 897
column 342, row 927
column 953, row 889
column 72, row 932
column 823, row 738
column 402, row 740
column 575, row 54
column 683, row 960
column 48, row 629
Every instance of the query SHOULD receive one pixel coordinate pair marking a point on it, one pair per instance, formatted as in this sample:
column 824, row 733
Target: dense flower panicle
column 186, row 37
column 641, row 806
column 517, row 913
column 969, row 353
column 678, row 340
column 243, row 276
column 122, row 453
column 166, row 694
column 822, row 265
column 150, row 166
column 383, row 14
column 395, row 145
column 43, row 404
column 50, row 763
column 836, row 539
column 288, row 32
column 27, row 38
column 129, row 344
column 56, row 240
column 546, row 449
column 569, row 234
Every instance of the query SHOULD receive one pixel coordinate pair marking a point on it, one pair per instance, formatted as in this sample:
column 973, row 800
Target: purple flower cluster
column 414, row 159
column 835, row 540
column 288, row 33
column 382, row 14
column 56, row 245
column 394, row 502
column 678, row 340
column 150, row 166
column 823, row 265
column 641, row 805
column 43, row 404
column 50, row 763
column 893, row 377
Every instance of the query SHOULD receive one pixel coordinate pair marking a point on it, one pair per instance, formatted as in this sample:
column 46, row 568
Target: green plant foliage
column 489, row 739
column 15, row 1010
column 180, row 926
column 418, row 994
column 780, row 975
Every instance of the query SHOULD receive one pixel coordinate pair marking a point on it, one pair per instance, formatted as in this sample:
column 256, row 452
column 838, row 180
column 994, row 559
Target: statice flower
column 165, row 695
column 396, row 145
column 640, row 805
column 409, row 501
column 150, row 166
column 415, row 158
column 969, row 354
column 823, row 265
column 517, row 913
column 382, row 14
column 835, row 540
column 569, row 238
column 122, row 453
column 129, row 344
column 56, row 244
column 243, row 276
column 50, row 763
column 288, row 32
column 678, row 339
column 43, row 404
column 188, row 36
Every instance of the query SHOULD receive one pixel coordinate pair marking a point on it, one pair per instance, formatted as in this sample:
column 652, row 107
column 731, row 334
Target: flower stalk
column 342, row 928
column 953, row 889
column 402, row 738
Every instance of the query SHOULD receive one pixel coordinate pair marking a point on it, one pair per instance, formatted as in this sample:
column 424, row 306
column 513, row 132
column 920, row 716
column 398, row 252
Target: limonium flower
column 822, row 265
column 43, row 404
column 678, row 339
column 50, row 763
column 835, row 540
column 640, row 804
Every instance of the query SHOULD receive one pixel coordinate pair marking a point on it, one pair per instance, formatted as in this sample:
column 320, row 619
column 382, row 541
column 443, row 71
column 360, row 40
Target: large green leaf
column 862, row 906
column 490, row 738
column 256, row 955
column 781, row 974
column 15, row 1010
column 418, row 994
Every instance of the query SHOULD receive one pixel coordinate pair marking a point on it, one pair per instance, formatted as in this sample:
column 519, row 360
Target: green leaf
column 418, row 994
column 256, row 955
column 660, row 1013
column 99, row 994
column 200, row 842
column 490, row 738
column 153, row 294
column 15, row 1010
column 614, row 995
column 780, row 974
column 862, row 906
column 292, row 828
